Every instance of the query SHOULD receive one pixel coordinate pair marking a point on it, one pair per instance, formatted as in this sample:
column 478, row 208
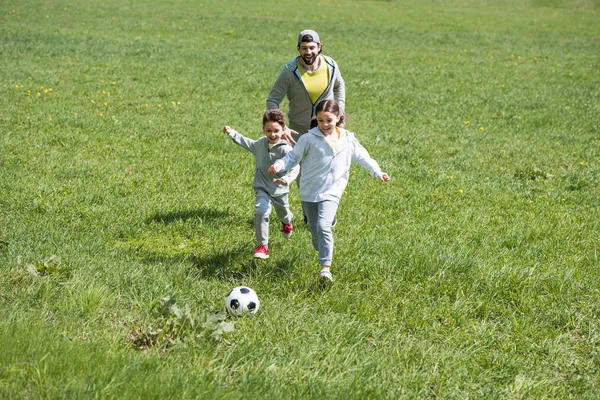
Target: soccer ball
column 242, row 301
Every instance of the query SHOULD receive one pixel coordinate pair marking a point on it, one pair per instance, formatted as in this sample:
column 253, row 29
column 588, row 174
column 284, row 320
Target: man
column 306, row 80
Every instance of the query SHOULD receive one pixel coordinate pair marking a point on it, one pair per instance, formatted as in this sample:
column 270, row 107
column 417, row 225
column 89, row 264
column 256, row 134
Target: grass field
column 474, row 273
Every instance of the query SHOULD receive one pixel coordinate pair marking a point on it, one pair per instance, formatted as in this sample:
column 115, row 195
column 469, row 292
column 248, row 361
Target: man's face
column 309, row 52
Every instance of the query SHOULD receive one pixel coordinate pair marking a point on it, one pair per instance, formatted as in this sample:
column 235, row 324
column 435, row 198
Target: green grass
column 472, row 274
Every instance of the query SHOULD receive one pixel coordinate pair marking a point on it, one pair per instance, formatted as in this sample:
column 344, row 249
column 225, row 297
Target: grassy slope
column 473, row 273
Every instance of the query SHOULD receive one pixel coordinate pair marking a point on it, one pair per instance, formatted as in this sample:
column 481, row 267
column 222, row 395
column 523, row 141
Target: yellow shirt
column 315, row 82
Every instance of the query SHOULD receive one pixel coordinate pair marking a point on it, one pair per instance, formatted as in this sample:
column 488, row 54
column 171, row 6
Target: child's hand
column 383, row 177
column 280, row 181
column 227, row 130
column 273, row 169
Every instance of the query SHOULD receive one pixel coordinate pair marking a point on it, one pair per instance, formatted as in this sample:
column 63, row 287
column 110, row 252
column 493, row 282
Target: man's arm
column 278, row 91
column 339, row 90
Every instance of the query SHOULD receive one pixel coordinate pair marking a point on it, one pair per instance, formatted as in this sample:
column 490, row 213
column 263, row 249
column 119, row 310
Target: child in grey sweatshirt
column 268, row 190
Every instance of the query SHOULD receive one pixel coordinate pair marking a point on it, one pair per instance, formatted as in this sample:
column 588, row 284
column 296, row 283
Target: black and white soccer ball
column 242, row 301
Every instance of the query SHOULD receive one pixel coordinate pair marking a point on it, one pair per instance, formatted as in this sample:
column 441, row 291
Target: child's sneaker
column 325, row 277
column 261, row 251
column 287, row 229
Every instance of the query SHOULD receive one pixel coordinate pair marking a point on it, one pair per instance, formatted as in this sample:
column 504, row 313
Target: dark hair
column 274, row 115
column 309, row 39
column 332, row 107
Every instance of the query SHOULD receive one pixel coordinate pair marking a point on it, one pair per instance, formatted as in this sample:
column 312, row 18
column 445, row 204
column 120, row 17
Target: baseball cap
column 311, row 33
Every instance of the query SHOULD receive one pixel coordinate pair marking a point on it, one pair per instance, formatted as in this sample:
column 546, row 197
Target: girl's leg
column 326, row 214
column 311, row 210
column 261, row 217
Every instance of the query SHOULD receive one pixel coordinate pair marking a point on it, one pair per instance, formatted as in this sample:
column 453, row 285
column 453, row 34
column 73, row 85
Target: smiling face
column 273, row 131
column 309, row 52
column 327, row 122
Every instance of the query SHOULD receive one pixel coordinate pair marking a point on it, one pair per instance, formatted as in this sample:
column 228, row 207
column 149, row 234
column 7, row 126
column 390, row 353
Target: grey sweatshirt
column 324, row 171
column 264, row 158
column 301, row 109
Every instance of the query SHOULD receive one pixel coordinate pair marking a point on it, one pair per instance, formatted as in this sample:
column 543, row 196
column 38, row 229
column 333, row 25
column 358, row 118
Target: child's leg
column 320, row 218
column 261, row 216
column 326, row 214
column 282, row 208
column 311, row 211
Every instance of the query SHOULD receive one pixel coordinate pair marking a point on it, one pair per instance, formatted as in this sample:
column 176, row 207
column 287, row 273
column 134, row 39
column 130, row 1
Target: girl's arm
column 362, row 157
column 291, row 159
column 288, row 178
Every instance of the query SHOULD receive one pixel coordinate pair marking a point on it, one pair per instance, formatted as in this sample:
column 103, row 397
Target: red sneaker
column 261, row 251
column 287, row 229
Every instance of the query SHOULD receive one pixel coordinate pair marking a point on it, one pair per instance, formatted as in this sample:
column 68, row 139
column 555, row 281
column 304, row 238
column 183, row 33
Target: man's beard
column 309, row 61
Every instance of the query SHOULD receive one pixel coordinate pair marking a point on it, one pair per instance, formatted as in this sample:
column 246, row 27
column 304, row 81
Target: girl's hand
column 280, row 181
column 273, row 169
column 383, row 177
column 227, row 130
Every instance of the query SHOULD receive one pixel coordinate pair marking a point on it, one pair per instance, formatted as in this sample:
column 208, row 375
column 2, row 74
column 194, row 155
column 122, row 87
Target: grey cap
column 311, row 33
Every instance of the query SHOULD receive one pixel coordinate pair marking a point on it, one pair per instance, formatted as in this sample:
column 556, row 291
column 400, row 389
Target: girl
column 268, row 191
column 324, row 155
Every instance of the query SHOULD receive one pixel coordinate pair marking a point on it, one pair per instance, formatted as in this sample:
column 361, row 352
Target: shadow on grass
column 223, row 262
column 228, row 264
column 203, row 215
column 238, row 263
column 183, row 215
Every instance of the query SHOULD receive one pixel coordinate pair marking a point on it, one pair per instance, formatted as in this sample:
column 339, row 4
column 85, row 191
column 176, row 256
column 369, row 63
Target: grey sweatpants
column 263, row 211
column 320, row 217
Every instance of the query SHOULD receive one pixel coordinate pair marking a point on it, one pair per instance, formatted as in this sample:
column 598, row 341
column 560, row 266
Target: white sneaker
column 325, row 276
